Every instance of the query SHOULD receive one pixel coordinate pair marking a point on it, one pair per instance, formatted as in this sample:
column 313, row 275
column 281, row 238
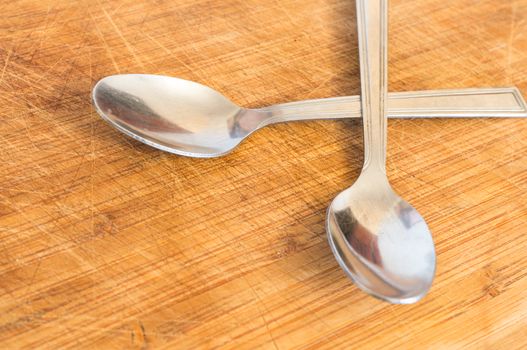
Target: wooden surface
column 107, row 242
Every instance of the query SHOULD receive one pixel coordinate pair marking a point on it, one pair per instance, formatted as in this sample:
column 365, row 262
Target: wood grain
column 108, row 243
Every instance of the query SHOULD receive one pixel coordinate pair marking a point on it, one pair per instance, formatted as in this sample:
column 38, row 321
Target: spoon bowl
column 174, row 115
column 381, row 241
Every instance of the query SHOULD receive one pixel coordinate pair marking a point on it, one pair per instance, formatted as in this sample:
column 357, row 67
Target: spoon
column 190, row 119
column 379, row 240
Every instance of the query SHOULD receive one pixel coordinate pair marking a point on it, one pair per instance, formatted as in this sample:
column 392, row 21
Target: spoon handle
column 460, row 103
column 372, row 23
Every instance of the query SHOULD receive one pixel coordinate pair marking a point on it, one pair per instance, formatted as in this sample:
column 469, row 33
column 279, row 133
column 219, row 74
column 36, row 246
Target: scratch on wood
column 5, row 64
column 106, row 46
column 126, row 43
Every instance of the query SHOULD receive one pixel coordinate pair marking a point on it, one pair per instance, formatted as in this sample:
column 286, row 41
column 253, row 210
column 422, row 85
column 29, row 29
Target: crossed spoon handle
column 455, row 103
column 372, row 20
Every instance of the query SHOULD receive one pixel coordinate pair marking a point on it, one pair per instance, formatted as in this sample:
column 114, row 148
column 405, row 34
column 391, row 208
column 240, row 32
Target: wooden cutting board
column 108, row 243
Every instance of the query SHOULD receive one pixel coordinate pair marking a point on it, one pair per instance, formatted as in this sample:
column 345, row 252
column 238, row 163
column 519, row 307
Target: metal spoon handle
column 461, row 103
column 372, row 22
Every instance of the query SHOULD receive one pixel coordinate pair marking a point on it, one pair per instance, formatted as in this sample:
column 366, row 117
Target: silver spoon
column 379, row 240
column 190, row 119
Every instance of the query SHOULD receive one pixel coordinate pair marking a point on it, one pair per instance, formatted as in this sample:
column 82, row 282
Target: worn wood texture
column 106, row 242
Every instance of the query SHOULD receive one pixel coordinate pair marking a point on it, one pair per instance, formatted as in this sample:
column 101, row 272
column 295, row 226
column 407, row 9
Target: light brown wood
column 106, row 242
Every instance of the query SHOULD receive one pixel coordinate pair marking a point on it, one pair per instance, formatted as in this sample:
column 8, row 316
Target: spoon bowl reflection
column 174, row 115
column 381, row 241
